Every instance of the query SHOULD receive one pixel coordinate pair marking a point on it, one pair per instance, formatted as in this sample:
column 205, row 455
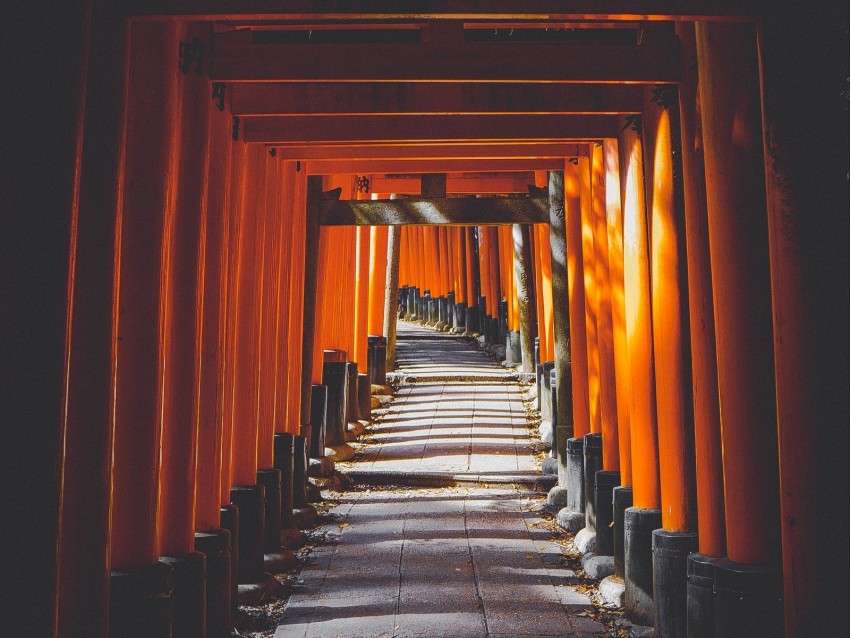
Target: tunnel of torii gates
column 213, row 200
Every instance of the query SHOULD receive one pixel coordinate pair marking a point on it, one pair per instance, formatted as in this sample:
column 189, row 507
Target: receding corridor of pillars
column 213, row 212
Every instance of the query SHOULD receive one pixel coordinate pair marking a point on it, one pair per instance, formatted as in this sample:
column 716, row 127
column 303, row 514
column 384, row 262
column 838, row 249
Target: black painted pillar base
column 606, row 481
column 250, row 499
column 189, row 615
column 592, row 465
column 637, row 541
column 230, row 522
column 575, row 474
column 215, row 546
column 622, row 501
column 335, row 378
column 701, row 596
column 352, row 404
column 473, row 323
column 364, row 397
column 283, row 456
column 670, row 576
column 271, row 480
column 460, row 316
column 318, row 419
column 378, row 364
column 747, row 600
column 299, row 472
column 140, row 602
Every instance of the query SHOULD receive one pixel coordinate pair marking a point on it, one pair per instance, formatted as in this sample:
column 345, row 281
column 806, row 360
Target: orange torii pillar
column 496, row 285
column 445, row 278
column 645, row 515
column 571, row 448
column 622, row 495
column 451, row 280
column 607, row 476
column 311, row 352
column 677, row 538
column 183, row 294
column 592, row 448
column 473, row 282
column 747, row 585
column 376, row 366
column 361, row 316
column 272, row 393
column 290, row 426
column 246, row 493
column 141, row 586
column 807, row 202
column 88, row 423
column 707, row 447
column 506, row 261
column 210, row 538
column 485, row 298
column 461, row 279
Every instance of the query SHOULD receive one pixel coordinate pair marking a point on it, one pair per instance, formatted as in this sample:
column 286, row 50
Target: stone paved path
column 470, row 560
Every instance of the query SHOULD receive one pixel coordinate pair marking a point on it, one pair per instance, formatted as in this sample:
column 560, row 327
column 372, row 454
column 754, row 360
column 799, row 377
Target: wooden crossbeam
column 395, row 98
column 436, row 128
column 436, row 210
column 510, row 150
column 262, row 10
column 368, row 166
column 448, row 59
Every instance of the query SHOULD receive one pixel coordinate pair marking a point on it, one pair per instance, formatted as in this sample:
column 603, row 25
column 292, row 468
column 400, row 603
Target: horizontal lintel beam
column 237, row 60
column 368, row 166
column 436, row 128
column 499, row 10
column 397, row 98
column 530, row 150
column 436, row 210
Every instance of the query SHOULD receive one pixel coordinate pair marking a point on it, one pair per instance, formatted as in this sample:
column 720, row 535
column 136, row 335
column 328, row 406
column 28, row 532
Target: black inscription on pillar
column 218, row 89
column 192, row 56
column 573, row 161
column 363, row 184
column 665, row 96
column 235, row 133
column 273, row 152
column 634, row 122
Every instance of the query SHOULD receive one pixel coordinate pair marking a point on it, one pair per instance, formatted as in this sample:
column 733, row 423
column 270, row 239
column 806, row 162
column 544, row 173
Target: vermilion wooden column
column 150, row 159
column 151, row 155
column 740, row 274
column 604, row 321
column 86, row 472
column 575, row 285
column 269, row 346
column 591, row 293
column 377, row 271
column 311, row 359
column 670, row 328
column 236, row 222
column 484, row 269
column 737, row 226
column 295, row 193
column 678, row 538
column 213, row 319
column 547, row 352
column 645, row 516
column 183, row 295
column 709, row 479
column 644, row 438
column 806, row 168
column 245, row 425
column 472, row 285
column 614, row 215
column 361, row 314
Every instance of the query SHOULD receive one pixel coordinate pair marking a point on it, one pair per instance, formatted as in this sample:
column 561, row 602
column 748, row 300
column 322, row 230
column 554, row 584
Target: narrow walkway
column 470, row 559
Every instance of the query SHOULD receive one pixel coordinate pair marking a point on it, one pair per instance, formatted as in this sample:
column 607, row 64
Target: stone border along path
column 443, row 532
